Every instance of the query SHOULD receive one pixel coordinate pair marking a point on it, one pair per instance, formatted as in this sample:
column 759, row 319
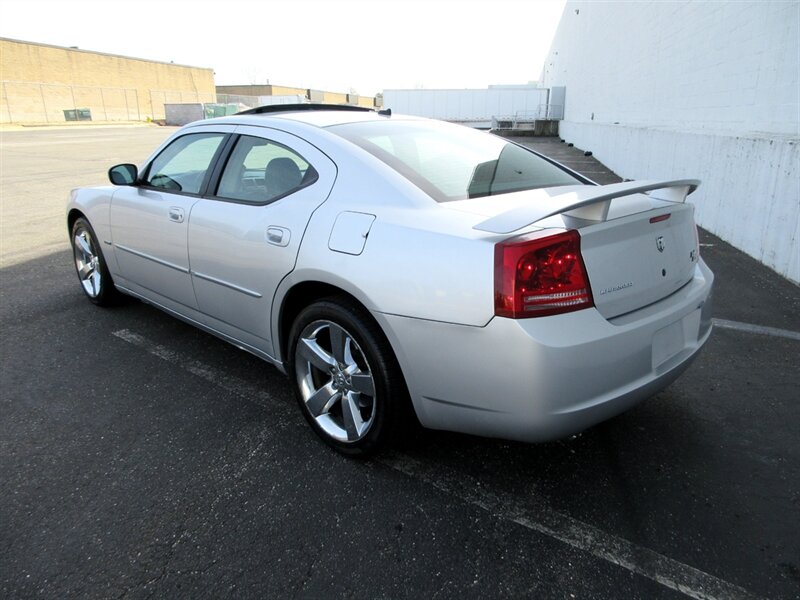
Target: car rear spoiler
column 585, row 202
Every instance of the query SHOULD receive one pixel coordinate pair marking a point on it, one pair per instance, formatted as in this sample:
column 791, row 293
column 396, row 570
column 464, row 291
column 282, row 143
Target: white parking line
column 232, row 384
column 670, row 573
column 760, row 329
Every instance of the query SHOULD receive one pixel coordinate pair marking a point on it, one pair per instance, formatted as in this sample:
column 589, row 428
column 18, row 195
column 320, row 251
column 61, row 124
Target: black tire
column 90, row 265
column 317, row 385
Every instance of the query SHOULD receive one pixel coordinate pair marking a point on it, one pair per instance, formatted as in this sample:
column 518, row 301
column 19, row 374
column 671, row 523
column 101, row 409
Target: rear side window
column 182, row 166
column 450, row 162
column 260, row 170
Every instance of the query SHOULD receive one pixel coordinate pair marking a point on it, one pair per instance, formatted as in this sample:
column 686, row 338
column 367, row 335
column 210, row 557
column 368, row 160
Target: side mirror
column 126, row 174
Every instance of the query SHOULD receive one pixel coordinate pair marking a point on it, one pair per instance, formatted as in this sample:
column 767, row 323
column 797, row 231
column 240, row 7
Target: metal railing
column 526, row 119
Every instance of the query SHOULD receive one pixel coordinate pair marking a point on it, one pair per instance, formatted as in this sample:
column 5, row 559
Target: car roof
column 318, row 115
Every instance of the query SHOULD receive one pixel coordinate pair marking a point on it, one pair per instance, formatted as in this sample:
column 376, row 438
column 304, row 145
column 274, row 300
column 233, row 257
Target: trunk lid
column 639, row 259
column 638, row 239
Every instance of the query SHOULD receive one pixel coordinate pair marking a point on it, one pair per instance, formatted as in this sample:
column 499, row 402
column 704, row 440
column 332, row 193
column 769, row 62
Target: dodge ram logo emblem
column 660, row 243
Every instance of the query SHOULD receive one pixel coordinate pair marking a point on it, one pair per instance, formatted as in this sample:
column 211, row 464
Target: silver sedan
column 402, row 269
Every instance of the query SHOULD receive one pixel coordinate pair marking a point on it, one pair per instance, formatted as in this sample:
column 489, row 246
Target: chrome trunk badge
column 660, row 243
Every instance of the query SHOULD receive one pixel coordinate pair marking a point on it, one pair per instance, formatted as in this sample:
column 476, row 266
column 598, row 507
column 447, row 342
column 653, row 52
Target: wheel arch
column 94, row 269
column 301, row 294
column 73, row 215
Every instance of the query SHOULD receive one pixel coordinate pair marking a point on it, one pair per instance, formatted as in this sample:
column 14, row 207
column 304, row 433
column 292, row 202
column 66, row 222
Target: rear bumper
column 545, row 378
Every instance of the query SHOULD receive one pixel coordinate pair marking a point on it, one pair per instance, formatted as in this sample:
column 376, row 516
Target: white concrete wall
column 693, row 89
column 468, row 105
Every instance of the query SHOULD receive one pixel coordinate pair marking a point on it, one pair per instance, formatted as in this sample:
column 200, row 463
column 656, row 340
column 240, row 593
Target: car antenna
column 386, row 112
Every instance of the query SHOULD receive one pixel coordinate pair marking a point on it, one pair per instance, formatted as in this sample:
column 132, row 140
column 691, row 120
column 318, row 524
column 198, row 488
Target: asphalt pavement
column 142, row 458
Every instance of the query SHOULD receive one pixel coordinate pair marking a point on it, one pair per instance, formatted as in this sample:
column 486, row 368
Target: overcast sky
column 334, row 44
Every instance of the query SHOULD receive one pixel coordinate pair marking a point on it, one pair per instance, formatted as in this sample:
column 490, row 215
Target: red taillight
column 540, row 274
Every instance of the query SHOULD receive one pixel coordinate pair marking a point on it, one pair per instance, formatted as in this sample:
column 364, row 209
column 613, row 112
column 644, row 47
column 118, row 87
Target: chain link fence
column 242, row 102
column 30, row 102
column 24, row 102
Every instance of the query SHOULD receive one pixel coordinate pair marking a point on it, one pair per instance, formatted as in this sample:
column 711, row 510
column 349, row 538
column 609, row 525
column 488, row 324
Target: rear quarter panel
column 421, row 262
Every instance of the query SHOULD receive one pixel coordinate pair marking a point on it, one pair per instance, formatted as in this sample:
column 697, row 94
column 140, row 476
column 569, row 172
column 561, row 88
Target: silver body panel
column 425, row 271
column 240, row 252
column 541, row 379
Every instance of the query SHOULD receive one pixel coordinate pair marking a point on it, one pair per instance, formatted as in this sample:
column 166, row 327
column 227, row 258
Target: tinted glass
column 182, row 166
column 260, row 171
column 450, row 162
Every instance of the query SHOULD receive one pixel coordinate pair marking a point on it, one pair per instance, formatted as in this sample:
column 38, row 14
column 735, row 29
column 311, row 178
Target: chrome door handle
column 278, row 236
column 176, row 214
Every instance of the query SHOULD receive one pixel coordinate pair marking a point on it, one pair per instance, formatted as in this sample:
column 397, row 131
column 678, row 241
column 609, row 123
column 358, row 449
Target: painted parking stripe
column 215, row 376
column 760, row 329
column 668, row 572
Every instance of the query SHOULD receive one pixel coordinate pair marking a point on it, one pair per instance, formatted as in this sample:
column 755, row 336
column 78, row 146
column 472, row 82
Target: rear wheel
column 91, row 265
column 347, row 381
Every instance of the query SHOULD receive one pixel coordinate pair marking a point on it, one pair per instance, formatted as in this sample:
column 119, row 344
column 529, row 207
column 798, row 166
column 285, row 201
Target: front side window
column 182, row 166
column 260, row 170
column 450, row 162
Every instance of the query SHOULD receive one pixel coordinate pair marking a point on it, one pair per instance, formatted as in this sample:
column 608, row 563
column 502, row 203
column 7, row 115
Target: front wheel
column 91, row 265
column 347, row 381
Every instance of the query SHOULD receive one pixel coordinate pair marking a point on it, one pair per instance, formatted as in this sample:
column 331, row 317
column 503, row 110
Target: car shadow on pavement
column 702, row 471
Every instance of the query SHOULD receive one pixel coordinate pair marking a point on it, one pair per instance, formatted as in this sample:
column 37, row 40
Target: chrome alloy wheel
column 335, row 381
column 87, row 262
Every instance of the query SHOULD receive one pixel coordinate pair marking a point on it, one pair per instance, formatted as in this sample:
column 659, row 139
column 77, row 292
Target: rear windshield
column 451, row 162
